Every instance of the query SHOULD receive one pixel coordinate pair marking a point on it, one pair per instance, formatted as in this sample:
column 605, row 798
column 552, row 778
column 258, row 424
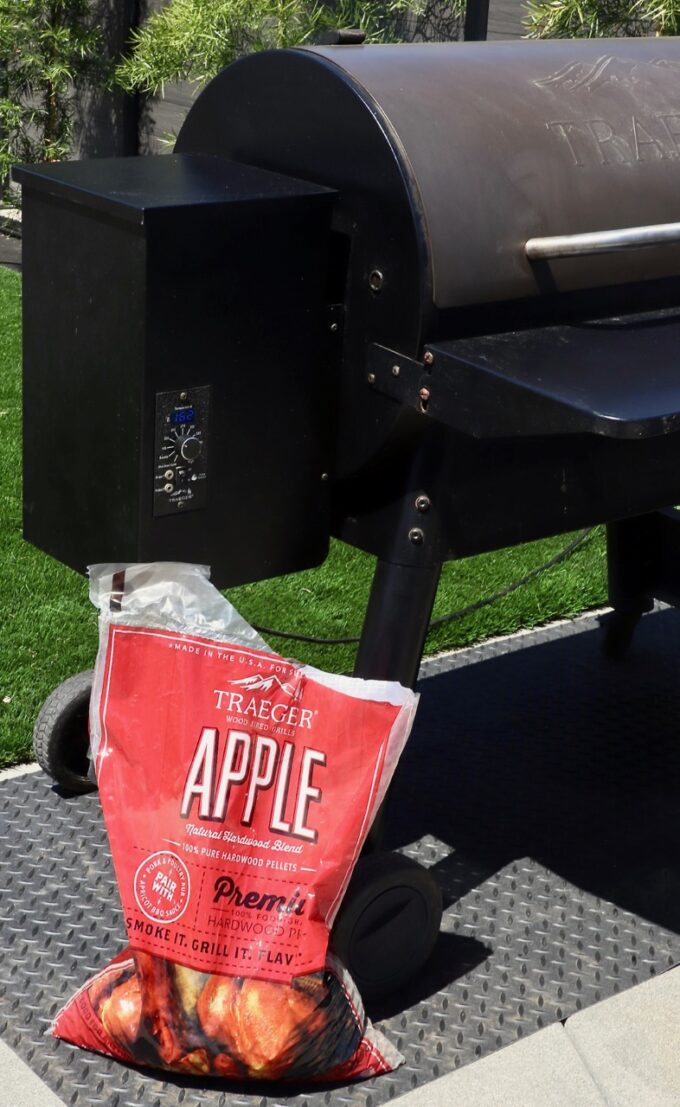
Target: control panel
column 181, row 454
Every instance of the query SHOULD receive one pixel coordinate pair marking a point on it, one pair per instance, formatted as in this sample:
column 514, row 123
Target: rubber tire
column 619, row 631
column 388, row 924
column 61, row 742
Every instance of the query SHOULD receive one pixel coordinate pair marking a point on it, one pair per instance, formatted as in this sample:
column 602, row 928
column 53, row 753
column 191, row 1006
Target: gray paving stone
column 631, row 1044
column 19, row 1087
column 10, row 252
column 543, row 1070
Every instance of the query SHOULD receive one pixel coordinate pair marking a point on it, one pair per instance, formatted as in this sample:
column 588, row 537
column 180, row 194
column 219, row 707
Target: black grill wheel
column 388, row 923
column 61, row 742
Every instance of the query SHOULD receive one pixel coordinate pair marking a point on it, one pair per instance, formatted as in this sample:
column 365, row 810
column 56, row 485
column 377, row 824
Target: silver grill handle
column 601, row 242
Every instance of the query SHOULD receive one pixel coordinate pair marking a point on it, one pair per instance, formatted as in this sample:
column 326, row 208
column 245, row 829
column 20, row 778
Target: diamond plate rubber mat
column 541, row 785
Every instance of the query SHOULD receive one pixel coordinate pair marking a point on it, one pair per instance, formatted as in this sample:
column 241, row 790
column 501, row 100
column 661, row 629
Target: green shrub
column 601, row 18
column 47, row 47
column 194, row 39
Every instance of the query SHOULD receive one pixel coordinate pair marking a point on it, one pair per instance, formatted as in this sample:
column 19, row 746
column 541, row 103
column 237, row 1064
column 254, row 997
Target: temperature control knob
column 191, row 448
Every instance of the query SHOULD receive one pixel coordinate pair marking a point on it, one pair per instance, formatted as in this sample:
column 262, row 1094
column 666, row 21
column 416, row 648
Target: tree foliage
column 194, row 39
column 47, row 47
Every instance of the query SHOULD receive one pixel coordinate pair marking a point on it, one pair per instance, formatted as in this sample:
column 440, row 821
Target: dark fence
column 110, row 124
column 107, row 122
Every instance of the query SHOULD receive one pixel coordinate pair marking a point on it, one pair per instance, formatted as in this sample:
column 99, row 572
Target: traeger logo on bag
column 266, row 682
column 255, row 770
column 282, row 713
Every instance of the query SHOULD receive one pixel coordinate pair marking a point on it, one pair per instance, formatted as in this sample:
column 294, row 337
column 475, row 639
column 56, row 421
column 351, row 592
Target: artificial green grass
column 48, row 628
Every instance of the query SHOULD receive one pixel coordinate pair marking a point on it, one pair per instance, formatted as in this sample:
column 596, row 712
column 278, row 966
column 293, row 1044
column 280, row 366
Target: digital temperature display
column 186, row 415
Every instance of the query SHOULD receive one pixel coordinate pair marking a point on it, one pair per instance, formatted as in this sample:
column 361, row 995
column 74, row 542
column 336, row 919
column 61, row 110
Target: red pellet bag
column 237, row 789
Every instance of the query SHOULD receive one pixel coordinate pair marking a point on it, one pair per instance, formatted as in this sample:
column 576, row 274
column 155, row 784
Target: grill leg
column 393, row 635
column 390, row 918
column 631, row 545
column 631, row 549
column 396, row 622
column 642, row 560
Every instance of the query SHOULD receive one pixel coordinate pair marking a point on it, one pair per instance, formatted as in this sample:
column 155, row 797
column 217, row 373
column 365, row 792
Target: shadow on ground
column 555, row 753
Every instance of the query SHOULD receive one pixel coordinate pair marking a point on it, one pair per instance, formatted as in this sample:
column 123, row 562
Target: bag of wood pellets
column 237, row 788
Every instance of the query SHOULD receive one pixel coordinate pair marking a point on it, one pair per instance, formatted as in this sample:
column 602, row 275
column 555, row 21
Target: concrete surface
column 631, row 1043
column 10, row 252
column 19, row 1087
column 19, row 770
column 623, row 1052
column 543, row 1070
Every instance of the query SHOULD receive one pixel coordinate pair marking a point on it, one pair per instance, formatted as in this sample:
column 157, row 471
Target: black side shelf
column 617, row 377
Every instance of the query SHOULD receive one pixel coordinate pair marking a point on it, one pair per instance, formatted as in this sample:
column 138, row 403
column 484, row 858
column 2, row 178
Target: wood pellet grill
column 423, row 298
